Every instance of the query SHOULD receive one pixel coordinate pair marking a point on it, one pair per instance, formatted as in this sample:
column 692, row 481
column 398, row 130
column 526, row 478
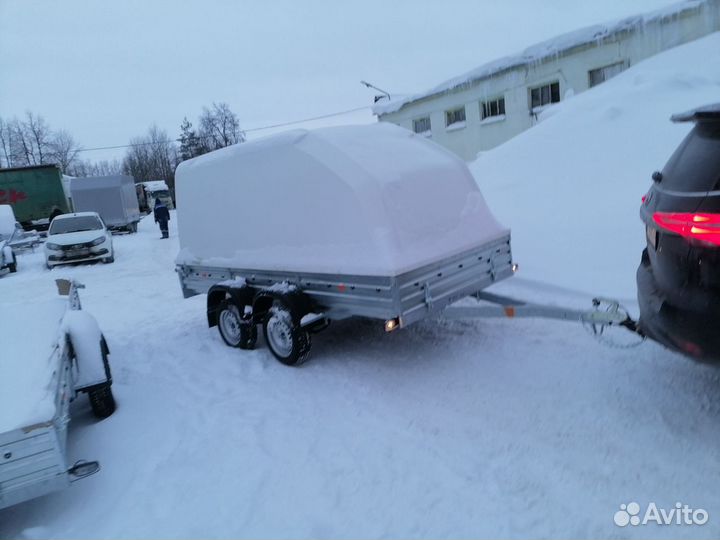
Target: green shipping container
column 35, row 193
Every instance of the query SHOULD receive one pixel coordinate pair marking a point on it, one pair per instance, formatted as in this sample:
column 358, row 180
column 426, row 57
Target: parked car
column 78, row 237
column 679, row 275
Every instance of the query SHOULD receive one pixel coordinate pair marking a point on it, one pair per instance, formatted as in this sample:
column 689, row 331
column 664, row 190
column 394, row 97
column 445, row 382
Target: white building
column 494, row 102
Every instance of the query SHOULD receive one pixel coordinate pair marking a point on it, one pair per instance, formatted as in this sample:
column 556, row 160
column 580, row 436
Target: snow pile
column 544, row 50
column 570, row 187
column 373, row 199
column 29, row 331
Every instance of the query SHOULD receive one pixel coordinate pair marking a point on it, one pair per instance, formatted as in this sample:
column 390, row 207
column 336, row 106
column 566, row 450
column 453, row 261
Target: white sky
column 106, row 70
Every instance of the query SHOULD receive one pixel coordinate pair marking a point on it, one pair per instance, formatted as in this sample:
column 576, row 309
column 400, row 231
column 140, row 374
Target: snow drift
column 374, row 199
column 570, row 187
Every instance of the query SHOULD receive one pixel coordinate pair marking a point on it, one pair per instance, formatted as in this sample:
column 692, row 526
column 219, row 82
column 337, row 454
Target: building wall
column 570, row 69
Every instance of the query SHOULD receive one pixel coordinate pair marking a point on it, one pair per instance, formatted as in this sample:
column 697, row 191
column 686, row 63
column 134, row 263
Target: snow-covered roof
column 551, row 48
column 155, row 185
column 370, row 200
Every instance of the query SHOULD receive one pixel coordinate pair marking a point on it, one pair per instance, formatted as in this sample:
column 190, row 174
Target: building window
column 495, row 107
column 455, row 116
column 600, row 75
column 421, row 125
column 545, row 95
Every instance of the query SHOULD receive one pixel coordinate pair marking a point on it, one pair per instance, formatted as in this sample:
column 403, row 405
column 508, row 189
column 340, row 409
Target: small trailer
column 113, row 197
column 296, row 230
column 293, row 231
column 52, row 352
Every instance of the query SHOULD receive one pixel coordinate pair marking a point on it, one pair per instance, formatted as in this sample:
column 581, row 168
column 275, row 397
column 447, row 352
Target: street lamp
column 377, row 98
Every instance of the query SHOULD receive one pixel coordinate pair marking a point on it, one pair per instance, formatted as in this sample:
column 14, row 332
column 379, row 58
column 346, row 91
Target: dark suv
column 679, row 274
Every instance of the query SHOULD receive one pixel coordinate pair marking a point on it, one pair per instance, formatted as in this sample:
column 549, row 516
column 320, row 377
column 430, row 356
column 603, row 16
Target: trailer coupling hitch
column 82, row 469
column 614, row 307
column 607, row 312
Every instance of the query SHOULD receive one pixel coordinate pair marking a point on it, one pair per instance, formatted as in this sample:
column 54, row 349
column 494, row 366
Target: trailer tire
column 108, row 260
column 13, row 265
column 287, row 341
column 235, row 330
column 102, row 401
column 133, row 227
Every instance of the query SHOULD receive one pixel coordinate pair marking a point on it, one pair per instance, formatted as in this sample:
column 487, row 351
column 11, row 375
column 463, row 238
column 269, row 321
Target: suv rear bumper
column 691, row 333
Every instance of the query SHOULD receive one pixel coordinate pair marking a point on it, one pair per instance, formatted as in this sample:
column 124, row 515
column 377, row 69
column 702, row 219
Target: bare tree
column 21, row 144
column 151, row 157
column 219, row 127
column 6, row 137
column 38, row 135
column 63, row 149
column 95, row 168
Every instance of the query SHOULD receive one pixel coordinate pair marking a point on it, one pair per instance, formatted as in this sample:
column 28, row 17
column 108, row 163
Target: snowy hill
column 570, row 187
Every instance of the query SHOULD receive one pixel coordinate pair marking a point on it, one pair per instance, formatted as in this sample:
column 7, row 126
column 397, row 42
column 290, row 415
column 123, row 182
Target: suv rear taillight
column 703, row 227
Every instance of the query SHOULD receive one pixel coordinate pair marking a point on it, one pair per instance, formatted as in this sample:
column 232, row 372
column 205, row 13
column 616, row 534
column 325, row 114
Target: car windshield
column 75, row 224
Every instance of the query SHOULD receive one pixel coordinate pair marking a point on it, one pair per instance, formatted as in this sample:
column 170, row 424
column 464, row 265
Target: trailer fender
column 7, row 256
column 241, row 296
column 297, row 301
column 89, row 348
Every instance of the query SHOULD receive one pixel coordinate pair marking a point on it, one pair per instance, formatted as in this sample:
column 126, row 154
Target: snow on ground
column 507, row 428
column 570, row 187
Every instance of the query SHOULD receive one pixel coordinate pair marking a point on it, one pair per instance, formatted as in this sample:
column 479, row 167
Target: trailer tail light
column 392, row 324
column 703, row 227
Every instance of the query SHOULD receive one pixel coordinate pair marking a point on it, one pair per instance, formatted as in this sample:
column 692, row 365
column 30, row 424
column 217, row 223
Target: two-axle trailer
column 292, row 305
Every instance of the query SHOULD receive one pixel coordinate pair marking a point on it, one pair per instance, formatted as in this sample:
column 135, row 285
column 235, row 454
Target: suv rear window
column 695, row 165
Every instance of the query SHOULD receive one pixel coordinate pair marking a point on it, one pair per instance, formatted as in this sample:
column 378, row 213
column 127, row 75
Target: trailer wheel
column 287, row 341
column 235, row 330
column 13, row 265
column 102, row 401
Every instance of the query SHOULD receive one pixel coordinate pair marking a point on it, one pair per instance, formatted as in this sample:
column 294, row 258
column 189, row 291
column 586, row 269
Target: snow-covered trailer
column 52, row 351
column 113, row 197
column 298, row 229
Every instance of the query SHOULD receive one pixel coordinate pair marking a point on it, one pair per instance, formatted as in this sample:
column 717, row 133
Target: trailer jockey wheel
column 287, row 341
column 235, row 330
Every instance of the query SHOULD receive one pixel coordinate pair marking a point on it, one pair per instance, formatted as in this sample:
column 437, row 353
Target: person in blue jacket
column 162, row 216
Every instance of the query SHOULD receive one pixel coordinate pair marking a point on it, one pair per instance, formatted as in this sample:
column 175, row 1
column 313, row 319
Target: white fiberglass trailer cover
column 369, row 200
column 370, row 221
column 40, row 373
